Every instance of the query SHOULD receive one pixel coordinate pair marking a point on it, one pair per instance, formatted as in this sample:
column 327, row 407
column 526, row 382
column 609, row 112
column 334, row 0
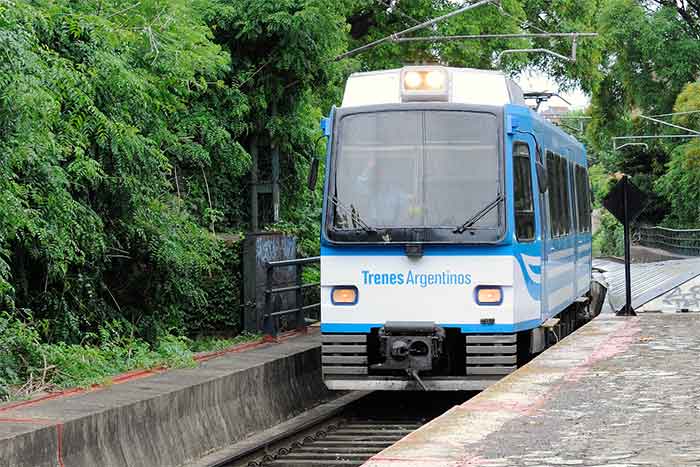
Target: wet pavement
column 619, row 392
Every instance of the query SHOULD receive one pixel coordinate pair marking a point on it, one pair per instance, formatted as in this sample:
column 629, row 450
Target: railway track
column 350, row 438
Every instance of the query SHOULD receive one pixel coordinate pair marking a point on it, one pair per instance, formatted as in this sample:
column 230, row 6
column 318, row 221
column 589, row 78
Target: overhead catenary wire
column 688, row 112
column 467, row 37
column 524, row 24
column 417, row 27
column 673, row 125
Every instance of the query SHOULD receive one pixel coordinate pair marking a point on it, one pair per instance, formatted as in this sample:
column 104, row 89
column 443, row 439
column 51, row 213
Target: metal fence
column 681, row 241
column 273, row 296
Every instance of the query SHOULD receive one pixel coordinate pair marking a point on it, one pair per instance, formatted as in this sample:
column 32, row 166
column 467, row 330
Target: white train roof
column 467, row 86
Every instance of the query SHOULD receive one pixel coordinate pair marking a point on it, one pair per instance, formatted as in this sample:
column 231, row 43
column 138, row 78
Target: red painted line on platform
column 617, row 344
column 59, row 444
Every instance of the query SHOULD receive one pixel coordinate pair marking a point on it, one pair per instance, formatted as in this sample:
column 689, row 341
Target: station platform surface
column 620, row 391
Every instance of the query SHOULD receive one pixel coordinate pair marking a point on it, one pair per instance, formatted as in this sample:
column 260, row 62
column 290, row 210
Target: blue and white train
column 456, row 231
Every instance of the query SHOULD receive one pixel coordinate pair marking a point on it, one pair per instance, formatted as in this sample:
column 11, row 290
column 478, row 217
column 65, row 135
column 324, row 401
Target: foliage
column 608, row 240
column 371, row 20
column 110, row 120
column 681, row 186
column 601, row 183
column 112, row 350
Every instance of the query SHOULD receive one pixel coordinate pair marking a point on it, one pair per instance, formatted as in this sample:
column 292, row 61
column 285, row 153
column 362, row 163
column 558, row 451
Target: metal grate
column 344, row 354
column 491, row 354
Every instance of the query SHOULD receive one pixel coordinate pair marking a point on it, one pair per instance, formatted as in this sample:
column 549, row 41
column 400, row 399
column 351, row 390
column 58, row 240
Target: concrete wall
column 169, row 419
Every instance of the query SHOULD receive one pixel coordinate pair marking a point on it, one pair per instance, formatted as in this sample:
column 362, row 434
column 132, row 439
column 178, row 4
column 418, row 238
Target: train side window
column 587, row 200
column 552, row 198
column 573, row 199
column 581, row 198
column 566, row 212
column 559, row 196
column 522, row 188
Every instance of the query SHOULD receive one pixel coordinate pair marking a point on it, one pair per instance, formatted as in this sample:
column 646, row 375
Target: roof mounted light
column 425, row 83
column 412, row 80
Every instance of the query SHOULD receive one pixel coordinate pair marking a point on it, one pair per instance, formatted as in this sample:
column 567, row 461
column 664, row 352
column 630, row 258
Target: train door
column 551, row 234
column 528, row 227
column 543, row 231
column 574, row 224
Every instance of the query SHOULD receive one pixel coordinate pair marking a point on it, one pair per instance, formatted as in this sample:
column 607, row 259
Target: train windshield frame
column 415, row 173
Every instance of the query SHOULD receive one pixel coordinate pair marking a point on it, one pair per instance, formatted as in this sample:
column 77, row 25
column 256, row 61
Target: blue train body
column 454, row 228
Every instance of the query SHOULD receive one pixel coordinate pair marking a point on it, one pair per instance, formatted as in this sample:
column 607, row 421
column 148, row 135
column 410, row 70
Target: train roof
column 465, row 86
column 456, row 86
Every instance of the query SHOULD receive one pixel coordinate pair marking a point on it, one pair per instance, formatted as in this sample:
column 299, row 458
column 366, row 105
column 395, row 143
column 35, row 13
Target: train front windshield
column 429, row 169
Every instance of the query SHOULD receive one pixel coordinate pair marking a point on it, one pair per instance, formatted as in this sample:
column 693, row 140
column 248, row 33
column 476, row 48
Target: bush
column 20, row 352
column 608, row 240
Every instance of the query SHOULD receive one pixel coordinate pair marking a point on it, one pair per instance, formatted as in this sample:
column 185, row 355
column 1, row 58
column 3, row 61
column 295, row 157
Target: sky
column 535, row 80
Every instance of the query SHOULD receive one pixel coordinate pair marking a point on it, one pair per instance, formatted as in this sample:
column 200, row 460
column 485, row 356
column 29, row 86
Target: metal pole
column 301, row 320
column 627, row 310
column 267, row 325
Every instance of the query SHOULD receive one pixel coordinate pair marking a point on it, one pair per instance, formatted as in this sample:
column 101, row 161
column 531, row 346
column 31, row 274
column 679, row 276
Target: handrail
column 273, row 311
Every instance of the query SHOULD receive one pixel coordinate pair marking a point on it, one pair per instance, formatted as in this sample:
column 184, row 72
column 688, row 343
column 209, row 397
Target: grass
column 29, row 366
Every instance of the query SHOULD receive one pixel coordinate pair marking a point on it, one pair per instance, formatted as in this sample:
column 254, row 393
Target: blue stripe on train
column 364, row 328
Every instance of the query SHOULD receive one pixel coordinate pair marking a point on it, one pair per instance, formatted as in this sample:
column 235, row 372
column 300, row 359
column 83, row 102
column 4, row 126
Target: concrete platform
column 169, row 418
column 618, row 392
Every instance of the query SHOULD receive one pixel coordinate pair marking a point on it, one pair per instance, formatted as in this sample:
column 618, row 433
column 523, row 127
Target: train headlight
column 344, row 295
column 489, row 295
column 412, row 80
column 424, row 83
column 435, row 79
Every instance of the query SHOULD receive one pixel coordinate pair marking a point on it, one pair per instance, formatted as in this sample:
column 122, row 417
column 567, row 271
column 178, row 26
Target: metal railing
column 682, row 241
column 273, row 295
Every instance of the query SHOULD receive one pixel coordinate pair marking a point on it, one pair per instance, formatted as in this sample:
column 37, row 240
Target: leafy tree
column 680, row 185
column 100, row 104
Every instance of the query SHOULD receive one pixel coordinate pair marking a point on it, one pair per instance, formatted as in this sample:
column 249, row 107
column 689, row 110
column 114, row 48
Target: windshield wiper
column 354, row 215
column 477, row 217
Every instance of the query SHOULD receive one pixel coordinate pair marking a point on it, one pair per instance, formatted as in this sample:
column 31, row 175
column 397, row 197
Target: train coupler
column 410, row 346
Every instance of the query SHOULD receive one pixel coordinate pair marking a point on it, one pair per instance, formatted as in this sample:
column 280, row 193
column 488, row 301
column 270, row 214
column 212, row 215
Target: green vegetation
column 28, row 365
column 126, row 131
